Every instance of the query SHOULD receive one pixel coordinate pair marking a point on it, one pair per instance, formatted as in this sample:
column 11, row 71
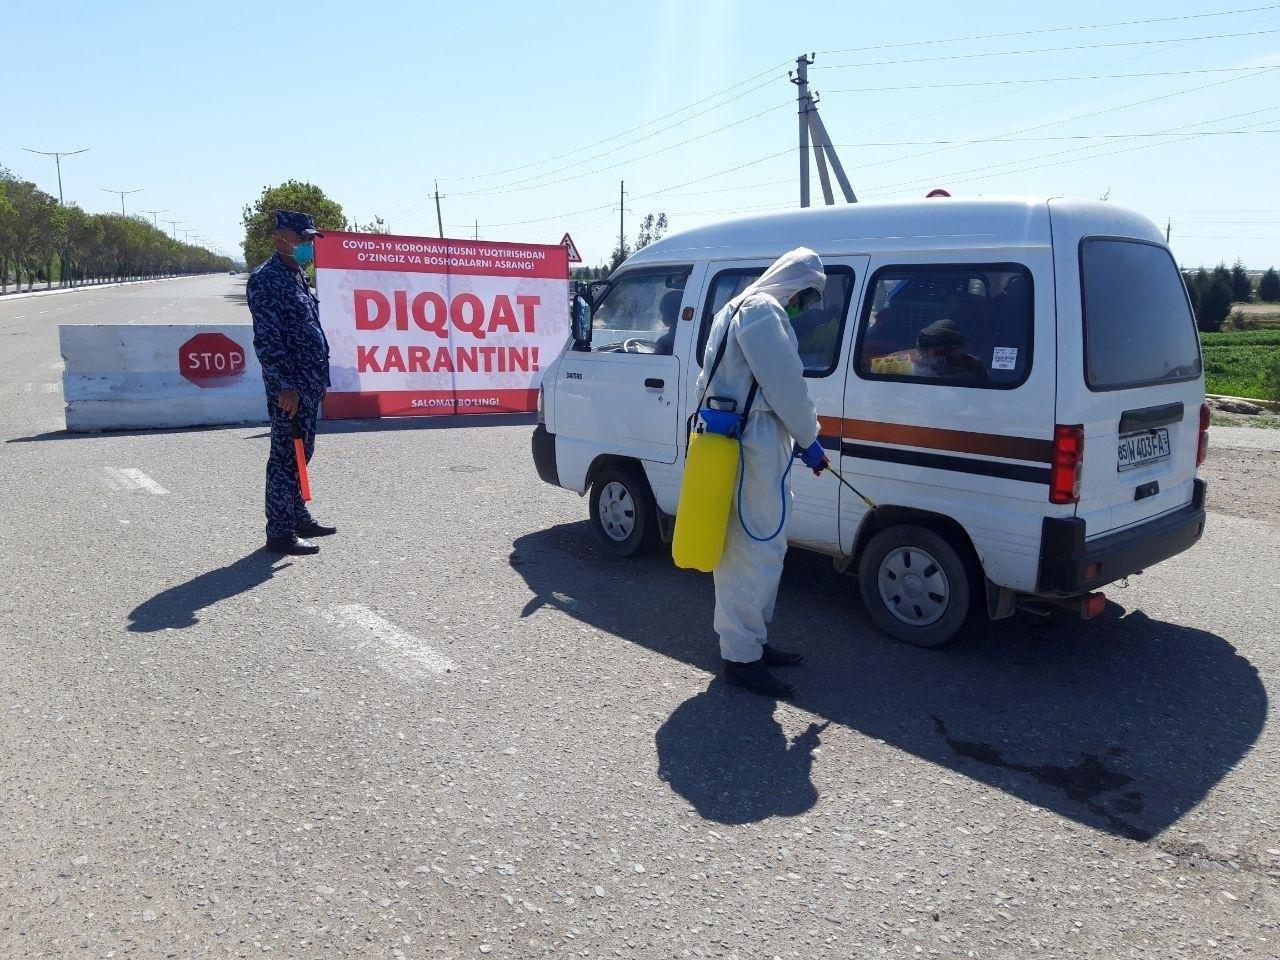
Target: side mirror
column 595, row 288
column 580, row 322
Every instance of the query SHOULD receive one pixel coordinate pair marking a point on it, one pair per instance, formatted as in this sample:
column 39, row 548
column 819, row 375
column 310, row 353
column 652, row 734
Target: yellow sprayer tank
column 706, row 496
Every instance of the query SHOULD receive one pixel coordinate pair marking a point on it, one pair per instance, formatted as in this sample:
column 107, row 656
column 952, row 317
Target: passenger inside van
column 941, row 355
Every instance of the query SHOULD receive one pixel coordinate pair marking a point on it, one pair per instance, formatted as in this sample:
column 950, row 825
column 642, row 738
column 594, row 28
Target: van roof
column 938, row 224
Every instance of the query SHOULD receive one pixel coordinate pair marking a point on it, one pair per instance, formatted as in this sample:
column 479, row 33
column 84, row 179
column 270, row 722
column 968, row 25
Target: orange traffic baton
column 300, row 454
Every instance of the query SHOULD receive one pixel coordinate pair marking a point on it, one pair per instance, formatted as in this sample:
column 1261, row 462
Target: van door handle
column 654, row 383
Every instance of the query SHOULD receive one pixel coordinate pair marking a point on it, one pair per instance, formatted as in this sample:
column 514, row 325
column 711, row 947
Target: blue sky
column 201, row 107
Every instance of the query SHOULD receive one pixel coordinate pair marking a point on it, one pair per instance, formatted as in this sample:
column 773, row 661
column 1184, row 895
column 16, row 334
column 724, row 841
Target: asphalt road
column 462, row 730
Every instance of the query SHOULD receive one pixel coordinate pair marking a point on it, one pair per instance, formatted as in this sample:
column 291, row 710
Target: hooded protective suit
column 761, row 344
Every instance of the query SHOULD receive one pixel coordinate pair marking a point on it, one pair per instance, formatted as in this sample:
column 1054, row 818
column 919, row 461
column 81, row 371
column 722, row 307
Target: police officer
column 294, row 354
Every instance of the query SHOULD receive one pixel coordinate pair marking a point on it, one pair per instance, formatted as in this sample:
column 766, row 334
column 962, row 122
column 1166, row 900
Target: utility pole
column 122, row 195
column 439, row 219
column 477, row 236
column 813, row 130
column 622, row 210
column 154, row 215
column 1168, row 231
column 801, row 80
column 173, row 225
column 822, row 140
column 57, row 159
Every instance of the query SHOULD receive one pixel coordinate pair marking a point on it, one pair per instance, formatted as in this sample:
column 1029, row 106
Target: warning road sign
column 568, row 244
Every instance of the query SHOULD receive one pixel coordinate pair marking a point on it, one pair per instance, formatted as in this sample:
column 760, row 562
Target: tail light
column 542, row 404
column 1068, row 461
column 1202, row 450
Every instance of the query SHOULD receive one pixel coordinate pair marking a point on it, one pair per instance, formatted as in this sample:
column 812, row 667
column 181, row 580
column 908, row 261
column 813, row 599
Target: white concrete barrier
column 120, row 377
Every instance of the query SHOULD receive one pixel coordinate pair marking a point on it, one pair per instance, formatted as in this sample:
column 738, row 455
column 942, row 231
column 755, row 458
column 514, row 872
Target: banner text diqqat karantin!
column 420, row 326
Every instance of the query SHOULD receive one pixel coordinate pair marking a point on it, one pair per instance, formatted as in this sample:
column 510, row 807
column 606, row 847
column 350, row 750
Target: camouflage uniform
column 293, row 351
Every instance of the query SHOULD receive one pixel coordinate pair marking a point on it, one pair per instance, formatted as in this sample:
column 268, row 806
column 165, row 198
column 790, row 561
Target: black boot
column 313, row 529
column 773, row 657
column 292, row 545
column 755, row 676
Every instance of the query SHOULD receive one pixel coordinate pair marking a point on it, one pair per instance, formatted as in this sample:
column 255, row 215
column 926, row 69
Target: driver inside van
column 669, row 312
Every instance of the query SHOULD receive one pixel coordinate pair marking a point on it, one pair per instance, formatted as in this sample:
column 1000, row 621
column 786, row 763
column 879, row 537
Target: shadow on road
column 1122, row 724
column 177, row 607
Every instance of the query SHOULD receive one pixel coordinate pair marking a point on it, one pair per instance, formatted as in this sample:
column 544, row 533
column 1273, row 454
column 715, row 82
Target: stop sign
column 211, row 360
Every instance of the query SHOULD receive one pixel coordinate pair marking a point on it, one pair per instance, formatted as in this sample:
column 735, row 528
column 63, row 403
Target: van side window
column 639, row 311
column 964, row 325
column 819, row 330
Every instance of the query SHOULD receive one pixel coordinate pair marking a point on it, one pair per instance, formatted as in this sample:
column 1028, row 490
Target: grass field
column 1245, row 363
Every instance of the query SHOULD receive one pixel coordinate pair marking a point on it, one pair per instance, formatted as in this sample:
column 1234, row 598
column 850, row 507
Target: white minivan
column 1015, row 384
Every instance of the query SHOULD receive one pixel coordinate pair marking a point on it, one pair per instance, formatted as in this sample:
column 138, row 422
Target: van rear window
column 1138, row 327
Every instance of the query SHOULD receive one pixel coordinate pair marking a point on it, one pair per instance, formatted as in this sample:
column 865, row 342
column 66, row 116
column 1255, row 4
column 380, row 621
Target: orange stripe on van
column 936, row 438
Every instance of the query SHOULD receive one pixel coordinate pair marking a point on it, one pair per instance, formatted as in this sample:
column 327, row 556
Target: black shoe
column 773, row 657
column 293, row 546
column 313, row 529
column 755, row 676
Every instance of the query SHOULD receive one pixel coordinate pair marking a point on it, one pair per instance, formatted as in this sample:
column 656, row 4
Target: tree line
column 1214, row 292
column 42, row 240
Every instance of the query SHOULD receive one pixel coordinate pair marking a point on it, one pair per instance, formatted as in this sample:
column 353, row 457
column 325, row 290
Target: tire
column 916, row 585
column 623, row 514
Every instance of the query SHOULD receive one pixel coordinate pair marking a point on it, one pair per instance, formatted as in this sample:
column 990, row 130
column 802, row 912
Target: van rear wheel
column 915, row 585
column 623, row 513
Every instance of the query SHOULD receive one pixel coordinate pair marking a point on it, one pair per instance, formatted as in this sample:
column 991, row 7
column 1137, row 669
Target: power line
column 617, row 136
column 1083, row 116
column 1173, row 132
column 622, row 163
column 1041, row 30
column 1015, row 53
column 1004, row 83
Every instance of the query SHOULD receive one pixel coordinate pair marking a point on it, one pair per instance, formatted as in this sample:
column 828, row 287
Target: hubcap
column 617, row 511
column 913, row 586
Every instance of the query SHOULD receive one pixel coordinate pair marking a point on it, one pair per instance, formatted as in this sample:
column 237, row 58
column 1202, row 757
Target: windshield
column 640, row 306
column 1138, row 327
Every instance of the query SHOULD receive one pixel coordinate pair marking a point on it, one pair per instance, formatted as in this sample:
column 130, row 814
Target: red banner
column 423, row 327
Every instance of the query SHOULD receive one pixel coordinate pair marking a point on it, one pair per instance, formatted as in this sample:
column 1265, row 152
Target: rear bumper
column 544, row 455
column 1067, row 562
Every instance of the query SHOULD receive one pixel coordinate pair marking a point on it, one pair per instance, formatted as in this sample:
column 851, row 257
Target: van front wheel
column 915, row 585
column 623, row 514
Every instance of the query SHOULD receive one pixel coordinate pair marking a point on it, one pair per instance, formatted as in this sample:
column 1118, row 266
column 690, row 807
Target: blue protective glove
column 814, row 457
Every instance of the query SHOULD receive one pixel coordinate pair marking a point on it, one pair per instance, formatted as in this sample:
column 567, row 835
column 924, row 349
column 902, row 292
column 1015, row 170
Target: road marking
column 130, row 478
column 60, row 365
column 50, row 387
column 391, row 648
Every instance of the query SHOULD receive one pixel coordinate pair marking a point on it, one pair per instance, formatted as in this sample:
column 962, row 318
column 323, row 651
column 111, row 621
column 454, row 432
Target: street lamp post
column 57, row 159
column 122, row 194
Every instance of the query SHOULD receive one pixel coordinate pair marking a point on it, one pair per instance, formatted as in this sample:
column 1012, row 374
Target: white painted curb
column 122, row 377
column 84, row 288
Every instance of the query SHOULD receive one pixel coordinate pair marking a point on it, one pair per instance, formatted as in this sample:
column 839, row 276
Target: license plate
column 1140, row 449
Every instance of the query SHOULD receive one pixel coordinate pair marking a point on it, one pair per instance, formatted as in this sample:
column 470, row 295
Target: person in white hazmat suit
column 762, row 347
